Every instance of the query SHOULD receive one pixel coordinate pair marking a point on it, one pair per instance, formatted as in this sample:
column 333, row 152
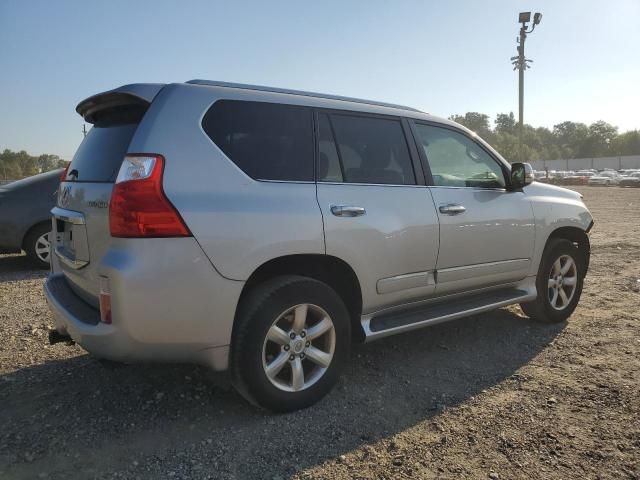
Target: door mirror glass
column 521, row 175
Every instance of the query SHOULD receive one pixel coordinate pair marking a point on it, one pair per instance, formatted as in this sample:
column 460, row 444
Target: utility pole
column 521, row 63
column 84, row 129
column 522, row 66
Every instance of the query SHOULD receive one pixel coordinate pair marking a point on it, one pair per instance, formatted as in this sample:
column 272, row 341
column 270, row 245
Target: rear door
column 486, row 231
column 81, row 216
column 377, row 217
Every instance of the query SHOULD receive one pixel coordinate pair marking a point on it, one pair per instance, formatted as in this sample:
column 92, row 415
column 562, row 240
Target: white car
column 630, row 180
column 608, row 177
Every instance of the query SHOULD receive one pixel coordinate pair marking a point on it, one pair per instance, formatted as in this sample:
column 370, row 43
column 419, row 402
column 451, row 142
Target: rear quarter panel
column 240, row 223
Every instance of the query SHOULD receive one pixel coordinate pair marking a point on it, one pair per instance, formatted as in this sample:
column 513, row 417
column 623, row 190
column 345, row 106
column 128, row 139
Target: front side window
column 457, row 161
column 268, row 141
column 368, row 149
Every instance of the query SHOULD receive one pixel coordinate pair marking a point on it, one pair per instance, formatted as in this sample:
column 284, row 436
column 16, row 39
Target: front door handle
column 452, row 209
column 347, row 211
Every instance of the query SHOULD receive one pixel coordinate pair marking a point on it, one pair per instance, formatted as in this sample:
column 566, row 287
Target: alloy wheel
column 299, row 347
column 562, row 282
column 43, row 247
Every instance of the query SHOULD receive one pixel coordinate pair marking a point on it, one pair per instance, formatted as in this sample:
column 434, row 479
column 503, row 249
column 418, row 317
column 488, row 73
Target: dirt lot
column 493, row 396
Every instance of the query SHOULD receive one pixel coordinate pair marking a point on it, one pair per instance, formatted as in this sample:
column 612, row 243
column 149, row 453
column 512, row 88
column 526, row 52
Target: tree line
column 16, row 165
column 565, row 140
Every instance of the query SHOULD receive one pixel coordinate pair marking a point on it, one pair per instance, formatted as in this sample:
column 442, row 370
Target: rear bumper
column 168, row 305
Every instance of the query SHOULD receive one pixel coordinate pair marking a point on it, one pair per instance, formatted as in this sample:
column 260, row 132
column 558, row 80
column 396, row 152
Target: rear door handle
column 347, row 211
column 452, row 209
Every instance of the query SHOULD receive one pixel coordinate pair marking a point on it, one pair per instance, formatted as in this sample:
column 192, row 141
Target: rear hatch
column 81, row 215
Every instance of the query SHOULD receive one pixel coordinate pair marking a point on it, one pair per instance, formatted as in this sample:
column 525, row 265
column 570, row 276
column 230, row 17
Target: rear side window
column 371, row 150
column 100, row 154
column 267, row 141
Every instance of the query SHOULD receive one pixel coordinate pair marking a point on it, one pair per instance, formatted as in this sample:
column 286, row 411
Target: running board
column 384, row 324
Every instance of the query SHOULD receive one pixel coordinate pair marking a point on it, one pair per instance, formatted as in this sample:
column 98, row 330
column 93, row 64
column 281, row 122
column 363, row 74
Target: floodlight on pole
column 521, row 63
column 524, row 17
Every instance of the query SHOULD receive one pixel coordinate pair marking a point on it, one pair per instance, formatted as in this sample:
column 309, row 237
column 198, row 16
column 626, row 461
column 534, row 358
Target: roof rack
column 262, row 88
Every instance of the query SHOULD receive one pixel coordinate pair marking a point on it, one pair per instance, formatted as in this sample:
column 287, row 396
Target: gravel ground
column 492, row 396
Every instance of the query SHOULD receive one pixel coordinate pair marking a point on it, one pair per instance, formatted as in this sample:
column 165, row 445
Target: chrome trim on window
column 480, row 189
column 371, row 184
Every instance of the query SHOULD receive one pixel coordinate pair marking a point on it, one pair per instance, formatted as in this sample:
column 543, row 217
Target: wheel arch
column 328, row 269
column 578, row 237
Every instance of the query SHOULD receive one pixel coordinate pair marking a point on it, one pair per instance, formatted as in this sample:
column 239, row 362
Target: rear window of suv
column 268, row 141
column 100, row 154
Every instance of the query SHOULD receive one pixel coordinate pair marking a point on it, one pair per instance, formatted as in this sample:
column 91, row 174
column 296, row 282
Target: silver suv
column 264, row 230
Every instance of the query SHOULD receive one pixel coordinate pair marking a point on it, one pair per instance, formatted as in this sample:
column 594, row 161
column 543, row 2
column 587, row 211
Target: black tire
column 30, row 243
column 259, row 310
column 541, row 309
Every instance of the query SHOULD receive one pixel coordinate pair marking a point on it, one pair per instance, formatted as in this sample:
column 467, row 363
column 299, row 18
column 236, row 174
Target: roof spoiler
column 136, row 95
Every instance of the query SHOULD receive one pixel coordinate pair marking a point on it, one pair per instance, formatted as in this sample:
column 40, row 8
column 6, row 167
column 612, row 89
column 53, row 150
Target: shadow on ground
column 88, row 419
column 18, row 267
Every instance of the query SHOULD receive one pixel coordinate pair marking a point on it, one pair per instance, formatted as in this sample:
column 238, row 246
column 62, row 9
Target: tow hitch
column 57, row 337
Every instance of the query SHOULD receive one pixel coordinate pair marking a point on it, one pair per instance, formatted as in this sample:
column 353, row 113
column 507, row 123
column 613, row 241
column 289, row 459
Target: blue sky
column 443, row 57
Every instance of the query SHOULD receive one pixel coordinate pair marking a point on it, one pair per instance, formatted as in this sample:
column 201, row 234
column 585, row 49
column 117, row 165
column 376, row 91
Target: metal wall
column 617, row 163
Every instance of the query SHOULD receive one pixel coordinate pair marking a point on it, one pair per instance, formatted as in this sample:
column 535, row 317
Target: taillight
column 63, row 176
column 139, row 207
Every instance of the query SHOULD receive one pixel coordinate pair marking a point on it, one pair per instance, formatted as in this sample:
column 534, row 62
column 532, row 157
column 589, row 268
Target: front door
column 376, row 217
column 486, row 231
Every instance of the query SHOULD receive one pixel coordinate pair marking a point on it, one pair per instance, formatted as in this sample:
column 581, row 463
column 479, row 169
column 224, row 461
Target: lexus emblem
column 65, row 193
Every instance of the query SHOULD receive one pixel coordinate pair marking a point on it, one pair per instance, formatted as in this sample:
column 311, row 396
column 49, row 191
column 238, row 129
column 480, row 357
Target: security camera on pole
column 520, row 63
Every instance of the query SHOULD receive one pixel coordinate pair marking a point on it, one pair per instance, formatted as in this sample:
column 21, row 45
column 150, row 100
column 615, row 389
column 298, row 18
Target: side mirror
column 521, row 175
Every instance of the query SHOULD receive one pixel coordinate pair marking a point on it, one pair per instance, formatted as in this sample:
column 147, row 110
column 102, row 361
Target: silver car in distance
column 264, row 230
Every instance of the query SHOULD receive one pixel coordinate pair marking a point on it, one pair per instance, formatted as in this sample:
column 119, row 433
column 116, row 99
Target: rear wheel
column 290, row 343
column 559, row 283
column 37, row 245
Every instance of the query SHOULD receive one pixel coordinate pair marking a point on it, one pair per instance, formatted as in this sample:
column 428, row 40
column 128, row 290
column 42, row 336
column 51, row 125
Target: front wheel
column 290, row 343
column 559, row 283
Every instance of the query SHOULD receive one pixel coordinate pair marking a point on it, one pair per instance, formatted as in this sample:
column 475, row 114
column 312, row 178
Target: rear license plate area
column 71, row 245
column 64, row 235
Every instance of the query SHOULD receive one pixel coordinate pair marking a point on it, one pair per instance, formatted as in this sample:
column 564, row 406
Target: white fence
column 617, row 163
